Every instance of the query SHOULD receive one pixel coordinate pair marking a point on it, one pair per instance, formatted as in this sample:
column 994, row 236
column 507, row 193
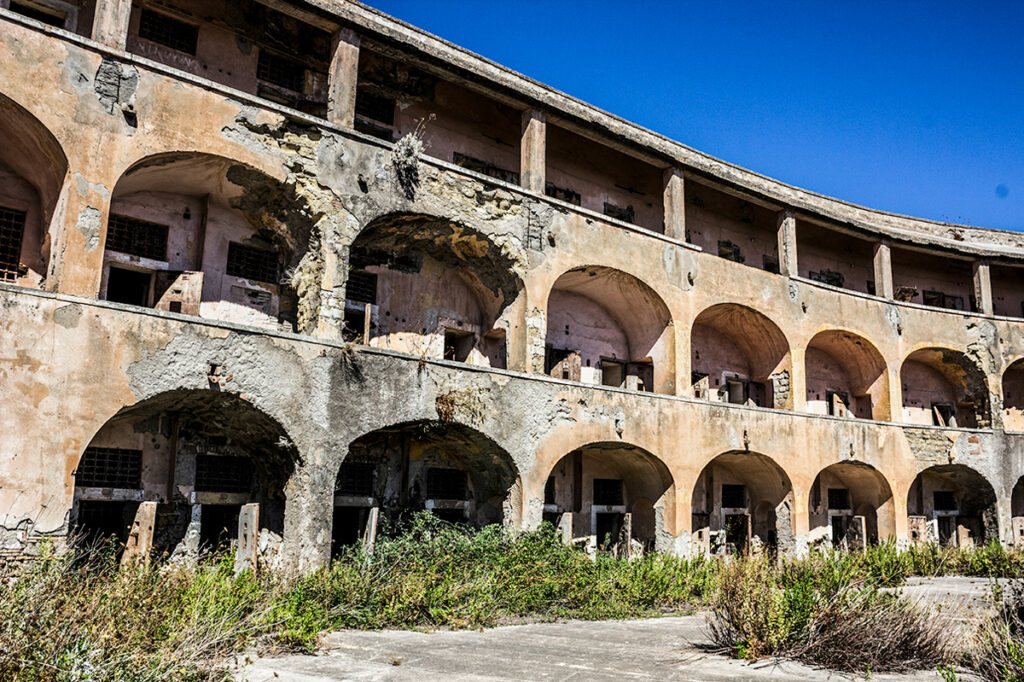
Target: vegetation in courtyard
column 84, row 618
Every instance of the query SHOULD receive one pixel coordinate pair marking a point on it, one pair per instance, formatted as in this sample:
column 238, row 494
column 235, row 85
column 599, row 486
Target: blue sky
column 910, row 107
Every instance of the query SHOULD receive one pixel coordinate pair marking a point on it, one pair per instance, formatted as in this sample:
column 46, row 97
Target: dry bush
column 999, row 654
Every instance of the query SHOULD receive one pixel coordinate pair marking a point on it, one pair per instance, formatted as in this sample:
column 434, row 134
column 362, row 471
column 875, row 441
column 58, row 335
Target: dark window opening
column 730, row 251
column 549, row 490
column 943, row 414
column 840, row 528
column 218, row 525
column 374, row 130
column 562, row 194
column 734, row 496
column 626, row 215
column 830, row 277
column 348, row 527
column 839, row 498
column 458, row 345
column 249, row 262
column 361, row 286
column 450, row 515
column 838, row 403
column 40, row 13
column 104, row 521
column 375, row 107
column 446, row 484
column 608, row 529
column 944, row 500
column 485, row 168
column 871, row 287
column 223, row 474
column 168, row 31
column 771, row 264
column 937, row 299
column 737, row 530
column 137, row 237
column 608, row 491
column 128, row 286
column 355, row 478
column 110, row 468
column 947, row 530
column 354, row 325
column 12, row 231
column 281, row 71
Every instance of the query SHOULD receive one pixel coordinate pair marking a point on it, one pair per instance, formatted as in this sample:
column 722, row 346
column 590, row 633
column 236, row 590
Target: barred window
column 562, row 193
column 168, row 31
column 137, row 237
column 12, row 230
column 355, row 478
column 40, row 13
column 110, row 468
column 838, row 498
column 486, row 168
column 361, row 287
column 608, row 491
column 626, row 215
column 944, row 500
column 249, row 262
column 281, row 71
column 222, row 474
column 734, row 496
column 446, row 484
column 375, row 107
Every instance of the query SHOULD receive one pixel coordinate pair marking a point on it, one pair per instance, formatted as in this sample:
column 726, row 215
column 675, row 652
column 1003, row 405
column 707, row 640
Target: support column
column 342, row 80
column 786, row 221
column 983, row 287
column 797, row 381
column 883, row 270
column 533, row 151
column 110, row 23
column 140, row 539
column 248, row 532
column 675, row 204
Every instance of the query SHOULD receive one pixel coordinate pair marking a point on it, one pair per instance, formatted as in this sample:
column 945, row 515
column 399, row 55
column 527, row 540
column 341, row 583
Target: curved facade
column 233, row 299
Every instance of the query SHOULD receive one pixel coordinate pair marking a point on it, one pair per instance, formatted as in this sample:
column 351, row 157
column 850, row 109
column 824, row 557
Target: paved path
column 651, row 649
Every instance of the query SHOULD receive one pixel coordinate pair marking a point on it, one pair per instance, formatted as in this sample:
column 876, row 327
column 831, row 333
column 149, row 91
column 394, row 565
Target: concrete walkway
column 653, row 649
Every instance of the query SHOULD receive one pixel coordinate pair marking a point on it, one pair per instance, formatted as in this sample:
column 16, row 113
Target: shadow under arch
column 607, row 493
column 846, row 373
column 944, row 387
column 33, row 172
column 434, row 286
column 451, row 469
column 198, row 455
column 230, row 241
column 609, row 327
column 740, row 356
column 851, row 504
column 740, row 496
column 952, row 504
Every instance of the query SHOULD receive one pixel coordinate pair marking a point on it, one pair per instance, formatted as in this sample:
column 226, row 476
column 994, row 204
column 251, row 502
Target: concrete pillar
column 565, row 527
column 110, row 22
column 786, row 221
column 532, row 151
column 76, row 260
column 883, row 270
column 682, row 369
column 675, row 204
column 248, row 537
column 797, row 381
column 342, row 80
column 370, row 532
column 140, row 539
column 983, row 287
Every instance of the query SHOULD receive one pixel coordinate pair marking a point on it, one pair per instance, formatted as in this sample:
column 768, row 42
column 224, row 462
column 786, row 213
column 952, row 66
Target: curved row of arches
column 193, row 460
column 206, row 235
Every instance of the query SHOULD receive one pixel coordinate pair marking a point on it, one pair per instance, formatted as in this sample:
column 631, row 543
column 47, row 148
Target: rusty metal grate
column 168, row 31
column 12, row 230
column 137, row 237
column 249, row 262
column 110, row 468
column 281, row 71
column 355, row 478
column 223, row 474
column 446, row 484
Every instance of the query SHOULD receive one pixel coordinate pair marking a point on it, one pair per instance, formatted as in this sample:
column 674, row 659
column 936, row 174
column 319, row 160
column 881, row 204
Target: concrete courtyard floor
column 670, row 648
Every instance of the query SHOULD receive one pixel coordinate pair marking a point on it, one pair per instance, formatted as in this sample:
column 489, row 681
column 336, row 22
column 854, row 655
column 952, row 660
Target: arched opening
column 851, row 506
column 430, row 286
column 739, row 356
column 203, row 235
column 943, row 387
column 846, row 377
column 952, row 504
column 606, row 327
column 742, row 501
column 1017, row 513
column 452, row 470
column 609, row 497
column 185, row 464
column 32, row 172
column 1013, row 397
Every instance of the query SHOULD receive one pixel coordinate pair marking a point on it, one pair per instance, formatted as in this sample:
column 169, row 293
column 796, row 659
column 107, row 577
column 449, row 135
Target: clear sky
column 910, row 107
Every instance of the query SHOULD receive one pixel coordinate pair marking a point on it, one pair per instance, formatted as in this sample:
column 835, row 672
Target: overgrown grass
column 67, row 618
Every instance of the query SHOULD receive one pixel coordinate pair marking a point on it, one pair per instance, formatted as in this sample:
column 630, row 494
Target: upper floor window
column 223, row 474
column 281, row 71
column 485, row 168
column 137, row 237
column 12, row 230
column 252, row 263
column 730, row 251
column 110, row 468
column 40, row 12
column 626, row 215
column 168, row 31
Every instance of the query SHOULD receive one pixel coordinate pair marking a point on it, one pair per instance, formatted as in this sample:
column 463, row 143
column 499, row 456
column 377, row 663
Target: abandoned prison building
column 275, row 273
